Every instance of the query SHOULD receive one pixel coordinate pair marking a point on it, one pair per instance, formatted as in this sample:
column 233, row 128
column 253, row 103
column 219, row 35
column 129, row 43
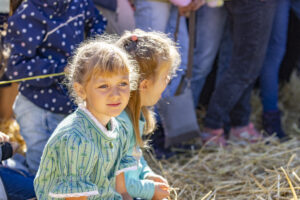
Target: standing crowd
column 91, row 72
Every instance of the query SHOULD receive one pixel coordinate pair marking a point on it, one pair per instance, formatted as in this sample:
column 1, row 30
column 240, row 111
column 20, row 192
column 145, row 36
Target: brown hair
column 149, row 49
column 98, row 56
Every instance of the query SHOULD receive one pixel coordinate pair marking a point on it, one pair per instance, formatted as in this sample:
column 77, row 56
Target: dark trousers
column 18, row 184
column 251, row 23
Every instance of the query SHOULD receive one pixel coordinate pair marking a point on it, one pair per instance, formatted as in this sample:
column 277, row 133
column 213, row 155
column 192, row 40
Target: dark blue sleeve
column 25, row 34
column 108, row 4
column 95, row 23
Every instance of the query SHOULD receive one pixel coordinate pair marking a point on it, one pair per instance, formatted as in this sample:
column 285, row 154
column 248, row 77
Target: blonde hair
column 98, row 56
column 149, row 49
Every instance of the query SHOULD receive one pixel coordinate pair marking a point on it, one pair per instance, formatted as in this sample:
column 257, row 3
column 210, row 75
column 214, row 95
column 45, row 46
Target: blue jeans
column 36, row 126
column 161, row 16
column 274, row 56
column 225, row 53
column 251, row 27
column 151, row 15
column 210, row 26
column 296, row 7
column 183, row 45
column 18, row 184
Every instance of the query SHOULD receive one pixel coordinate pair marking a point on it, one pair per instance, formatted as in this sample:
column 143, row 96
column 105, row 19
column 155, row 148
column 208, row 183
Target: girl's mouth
column 114, row 104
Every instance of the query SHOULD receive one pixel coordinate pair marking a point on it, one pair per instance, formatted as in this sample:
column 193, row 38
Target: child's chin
column 115, row 114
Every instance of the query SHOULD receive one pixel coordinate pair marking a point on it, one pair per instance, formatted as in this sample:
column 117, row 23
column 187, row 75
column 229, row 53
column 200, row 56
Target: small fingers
column 4, row 137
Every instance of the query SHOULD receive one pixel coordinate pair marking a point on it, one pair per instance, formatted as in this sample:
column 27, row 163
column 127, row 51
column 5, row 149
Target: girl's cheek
column 126, row 91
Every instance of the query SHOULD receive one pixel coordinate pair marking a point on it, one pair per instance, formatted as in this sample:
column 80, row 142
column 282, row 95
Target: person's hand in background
column 4, row 137
column 193, row 6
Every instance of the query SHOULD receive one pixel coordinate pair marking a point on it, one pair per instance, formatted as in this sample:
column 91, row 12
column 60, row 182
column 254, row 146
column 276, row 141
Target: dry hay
column 265, row 170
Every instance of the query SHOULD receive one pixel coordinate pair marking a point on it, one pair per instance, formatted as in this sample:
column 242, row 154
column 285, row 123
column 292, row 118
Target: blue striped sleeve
column 77, row 158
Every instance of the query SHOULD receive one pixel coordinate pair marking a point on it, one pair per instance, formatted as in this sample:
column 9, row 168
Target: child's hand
column 126, row 196
column 4, row 137
column 157, row 178
column 161, row 191
column 193, row 6
column 196, row 4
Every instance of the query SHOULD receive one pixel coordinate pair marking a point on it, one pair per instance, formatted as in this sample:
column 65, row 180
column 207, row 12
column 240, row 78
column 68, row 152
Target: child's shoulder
column 123, row 117
column 72, row 126
column 125, row 121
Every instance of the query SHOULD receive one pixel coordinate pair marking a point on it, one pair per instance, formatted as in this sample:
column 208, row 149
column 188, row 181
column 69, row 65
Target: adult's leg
column 36, row 126
column 210, row 23
column 296, row 7
column 270, row 70
column 151, row 15
column 183, row 43
column 251, row 22
column 18, row 184
column 120, row 20
column 225, row 53
column 274, row 56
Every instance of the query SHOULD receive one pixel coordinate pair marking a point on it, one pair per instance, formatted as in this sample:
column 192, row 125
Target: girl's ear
column 144, row 85
column 79, row 89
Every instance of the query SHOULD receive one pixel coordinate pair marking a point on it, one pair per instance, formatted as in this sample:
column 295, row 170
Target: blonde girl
column 157, row 59
column 83, row 154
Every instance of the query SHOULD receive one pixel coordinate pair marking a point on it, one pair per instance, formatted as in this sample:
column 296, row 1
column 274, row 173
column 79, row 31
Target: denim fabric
column 251, row 26
column 36, row 126
column 18, row 184
column 183, row 45
column 210, row 25
column 274, row 56
column 151, row 15
column 296, row 7
column 160, row 16
column 107, row 4
column 120, row 20
column 225, row 53
column 4, row 6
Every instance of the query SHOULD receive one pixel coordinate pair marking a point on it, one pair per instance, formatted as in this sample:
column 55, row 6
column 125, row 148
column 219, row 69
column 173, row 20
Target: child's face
column 106, row 96
column 151, row 90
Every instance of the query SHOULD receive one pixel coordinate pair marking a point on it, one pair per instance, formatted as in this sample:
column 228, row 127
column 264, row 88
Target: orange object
column 134, row 38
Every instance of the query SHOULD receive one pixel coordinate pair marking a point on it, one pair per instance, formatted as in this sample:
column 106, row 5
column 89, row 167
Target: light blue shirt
column 136, row 184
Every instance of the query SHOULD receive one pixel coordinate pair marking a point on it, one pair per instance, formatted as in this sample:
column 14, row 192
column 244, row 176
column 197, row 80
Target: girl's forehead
column 110, row 75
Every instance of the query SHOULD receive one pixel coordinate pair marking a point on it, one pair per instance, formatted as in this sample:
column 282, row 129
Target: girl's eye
column 103, row 86
column 123, row 84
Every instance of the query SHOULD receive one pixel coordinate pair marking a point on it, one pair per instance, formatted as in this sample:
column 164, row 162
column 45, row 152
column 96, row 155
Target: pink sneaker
column 245, row 134
column 213, row 137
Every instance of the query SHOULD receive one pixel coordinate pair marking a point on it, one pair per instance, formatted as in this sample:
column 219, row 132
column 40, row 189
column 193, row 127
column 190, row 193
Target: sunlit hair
column 4, row 54
column 149, row 49
column 99, row 56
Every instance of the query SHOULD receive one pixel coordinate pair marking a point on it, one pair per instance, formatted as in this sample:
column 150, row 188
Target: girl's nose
column 115, row 92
